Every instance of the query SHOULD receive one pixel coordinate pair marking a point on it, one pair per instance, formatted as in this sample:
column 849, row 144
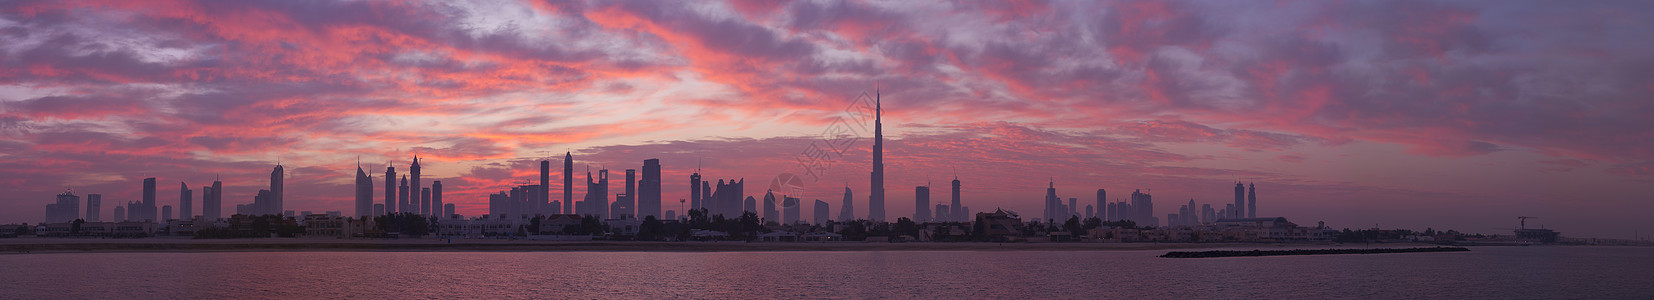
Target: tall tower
column 921, row 204
column 1252, row 200
column 390, row 190
column 956, row 211
column 148, row 208
column 875, row 201
column 436, row 201
column 277, row 181
column 648, row 198
column 402, row 196
column 186, row 200
column 1240, row 202
column 1052, row 203
column 212, row 204
column 1102, row 204
column 94, row 207
column 695, row 191
column 568, row 183
column 364, row 193
column 545, row 191
column 423, row 205
column 847, row 211
column 628, row 207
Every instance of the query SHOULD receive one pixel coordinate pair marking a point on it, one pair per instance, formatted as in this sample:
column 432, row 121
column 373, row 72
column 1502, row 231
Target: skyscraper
column 1053, row 205
column 545, row 191
column 364, row 193
column 921, row 203
column 790, row 210
column 1102, row 204
column 166, row 212
column 628, row 204
column 120, row 214
column 770, row 213
column 212, row 203
column 94, row 207
column 956, row 211
column 648, row 198
column 390, row 190
column 277, row 182
column 597, row 195
column 695, row 190
column 875, row 201
column 65, row 209
column 418, row 200
column 1252, row 200
column 186, row 199
column 847, row 211
column 436, row 200
column 147, row 210
column 820, row 212
column 402, row 196
column 1240, row 202
column 425, row 193
column 568, row 183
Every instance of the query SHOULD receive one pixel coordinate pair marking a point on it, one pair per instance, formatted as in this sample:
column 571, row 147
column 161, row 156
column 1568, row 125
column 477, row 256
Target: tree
column 534, row 225
column 1073, row 227
column 74, row 227
column 650, row 229
column 905, row 226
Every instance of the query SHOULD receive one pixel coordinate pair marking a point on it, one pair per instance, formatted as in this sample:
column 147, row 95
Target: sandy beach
column 73, row 245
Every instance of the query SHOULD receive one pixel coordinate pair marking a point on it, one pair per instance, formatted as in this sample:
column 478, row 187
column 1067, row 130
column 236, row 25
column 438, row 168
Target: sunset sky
column 1411, row 114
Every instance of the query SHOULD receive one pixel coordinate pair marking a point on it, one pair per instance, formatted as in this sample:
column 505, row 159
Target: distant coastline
column 52, row 245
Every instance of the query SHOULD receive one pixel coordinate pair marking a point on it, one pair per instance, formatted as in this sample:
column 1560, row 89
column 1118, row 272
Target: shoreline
column 41, row 246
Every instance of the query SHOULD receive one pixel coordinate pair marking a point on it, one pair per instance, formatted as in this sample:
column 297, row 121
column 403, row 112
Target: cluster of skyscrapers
column 1140, row 208
column 411, row 196
column 642, row 198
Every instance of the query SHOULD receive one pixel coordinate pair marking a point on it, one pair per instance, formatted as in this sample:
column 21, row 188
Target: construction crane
column 1523, row 221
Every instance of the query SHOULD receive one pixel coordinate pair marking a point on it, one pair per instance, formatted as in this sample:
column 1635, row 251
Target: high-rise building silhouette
column 956, row 210
column 166, row 212
column 1239, row 210
column 1102, row 204
column 695, row 190
column 94, row 207
column 875, row 200
column 278, row 179
column 1142, row 208
column 120, row 214
column 626, row 205
column 186, row 199
column 425, row 193
column 820, row 212
column 65, row 209
column 749, row 205
column 1252, row 200
column 568, row 183
column 146, row 212
column 545, row 190
column 419, row 200
column 597, row 195
column 1053, row 204
column 402, row 197
column 921, row 203
column 364, row 193
column 436, row 199
column 770, row 212
column 448, row 210
column 847, row 211
column 790, row 211
column 391, row 203
column 212, row 201
column 648, row 198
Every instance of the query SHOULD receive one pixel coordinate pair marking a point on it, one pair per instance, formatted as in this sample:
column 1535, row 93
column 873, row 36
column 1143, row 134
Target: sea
column 1531, row 272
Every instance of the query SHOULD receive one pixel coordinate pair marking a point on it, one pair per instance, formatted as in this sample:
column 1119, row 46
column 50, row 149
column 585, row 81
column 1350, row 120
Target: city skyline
column 1345, row 114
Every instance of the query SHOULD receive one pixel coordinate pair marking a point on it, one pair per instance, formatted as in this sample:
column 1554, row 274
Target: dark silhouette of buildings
column 278, row 178
column 648, row 198
column 436, row 200
column 186, row 199
column 625, row 205
column 94, row 207
column 568, row 183
column 956, row 210
column 820, row 212
column 847, row 211
column 1239, row 210
column 402, row 196
column 597, row 195
column 770, row 212
column 875, row 201
column 1102, row 204
column 790, row 211
column 414, row 190
column 695, row 190
column 65, row 209
column 212, row 200
column 921, row 203
column 1053, row 204
column 364, row 193
column 146, row 211
column 390, row 190
column 545, row 191
column 1252, row 200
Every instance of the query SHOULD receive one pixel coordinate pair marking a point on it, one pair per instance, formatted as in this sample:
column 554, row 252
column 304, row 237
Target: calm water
column 1488, row 272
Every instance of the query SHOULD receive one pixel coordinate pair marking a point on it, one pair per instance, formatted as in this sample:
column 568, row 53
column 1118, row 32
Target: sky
column 1397, row 114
